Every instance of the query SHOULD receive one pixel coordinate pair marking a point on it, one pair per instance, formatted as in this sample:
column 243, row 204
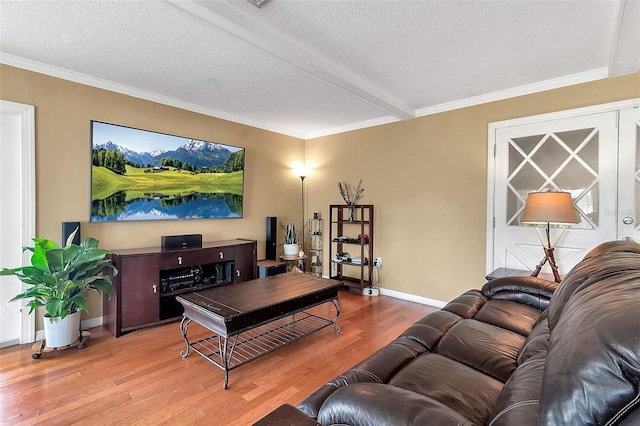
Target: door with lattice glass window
column 593, row 157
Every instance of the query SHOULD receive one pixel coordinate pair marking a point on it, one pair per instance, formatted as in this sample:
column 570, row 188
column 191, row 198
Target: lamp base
column 548, row 256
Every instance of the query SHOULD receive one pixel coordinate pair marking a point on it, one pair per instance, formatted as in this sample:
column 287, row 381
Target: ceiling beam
column 624, row 57
column 231, row 21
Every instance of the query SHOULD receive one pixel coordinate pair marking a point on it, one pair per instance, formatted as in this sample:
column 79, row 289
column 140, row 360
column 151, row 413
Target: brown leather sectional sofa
column 517, row 352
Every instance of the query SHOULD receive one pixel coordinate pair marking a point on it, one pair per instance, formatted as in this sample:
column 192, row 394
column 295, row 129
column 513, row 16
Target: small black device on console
column 181, row 241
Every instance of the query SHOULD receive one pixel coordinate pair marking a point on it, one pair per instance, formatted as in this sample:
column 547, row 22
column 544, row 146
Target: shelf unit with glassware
column 351, row 231
column 315, row 246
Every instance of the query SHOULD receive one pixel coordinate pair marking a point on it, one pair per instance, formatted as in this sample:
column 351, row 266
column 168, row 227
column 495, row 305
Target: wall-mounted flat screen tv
column 143, row 175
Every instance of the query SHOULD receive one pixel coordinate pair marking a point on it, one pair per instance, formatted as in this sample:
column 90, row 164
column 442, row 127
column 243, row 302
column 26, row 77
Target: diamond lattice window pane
column 527, row 179
column 574, row 176
column 527, row 143
column 550, row 156
column 573, row 138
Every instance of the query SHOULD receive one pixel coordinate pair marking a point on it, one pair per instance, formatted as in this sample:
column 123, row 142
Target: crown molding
column 353, row 126
column 77, row 77
column 527, row 89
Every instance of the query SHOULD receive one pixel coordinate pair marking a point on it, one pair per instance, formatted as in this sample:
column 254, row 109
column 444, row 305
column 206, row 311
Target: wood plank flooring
column 140, row 377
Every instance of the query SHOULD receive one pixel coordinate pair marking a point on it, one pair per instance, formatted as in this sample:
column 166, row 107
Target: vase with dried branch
column 351, row 195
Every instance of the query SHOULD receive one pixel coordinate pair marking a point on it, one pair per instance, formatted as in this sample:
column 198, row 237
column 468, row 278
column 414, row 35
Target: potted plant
column 351, row 195
column 59, row 279
column 291, row 238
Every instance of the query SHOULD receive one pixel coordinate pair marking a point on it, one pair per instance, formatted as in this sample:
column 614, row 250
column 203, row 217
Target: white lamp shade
column 549, row 207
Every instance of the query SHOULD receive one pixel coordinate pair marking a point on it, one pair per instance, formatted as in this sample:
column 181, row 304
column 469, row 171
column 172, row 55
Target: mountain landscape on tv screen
column 198, row 153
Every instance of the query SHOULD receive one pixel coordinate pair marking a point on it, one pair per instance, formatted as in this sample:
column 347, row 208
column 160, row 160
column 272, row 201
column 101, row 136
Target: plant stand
column 40, row 346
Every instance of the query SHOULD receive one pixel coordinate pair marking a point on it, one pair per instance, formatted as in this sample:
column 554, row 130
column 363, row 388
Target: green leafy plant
column 291, row 236
column 60, row 278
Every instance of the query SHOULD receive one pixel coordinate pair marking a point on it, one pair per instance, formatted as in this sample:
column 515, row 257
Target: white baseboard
column 90, row 323
column 413, row 298
column 410, row 297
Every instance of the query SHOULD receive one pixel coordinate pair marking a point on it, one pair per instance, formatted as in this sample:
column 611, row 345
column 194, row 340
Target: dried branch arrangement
column 350, row 195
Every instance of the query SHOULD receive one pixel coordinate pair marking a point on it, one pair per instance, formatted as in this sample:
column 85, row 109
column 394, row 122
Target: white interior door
column 17, row 215
column 578, row 155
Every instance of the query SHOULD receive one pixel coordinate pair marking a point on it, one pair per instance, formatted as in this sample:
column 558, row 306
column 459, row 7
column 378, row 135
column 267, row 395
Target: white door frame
column 491, row 163
column 26, row 115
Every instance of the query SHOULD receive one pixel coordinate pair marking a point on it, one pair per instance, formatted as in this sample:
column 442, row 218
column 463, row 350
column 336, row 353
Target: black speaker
column 180, row 241
column 67, row 229
column 272, row 237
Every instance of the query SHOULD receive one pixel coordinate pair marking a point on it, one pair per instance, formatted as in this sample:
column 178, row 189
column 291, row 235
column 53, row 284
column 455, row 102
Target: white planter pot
column 62, row 332
column 291, row 250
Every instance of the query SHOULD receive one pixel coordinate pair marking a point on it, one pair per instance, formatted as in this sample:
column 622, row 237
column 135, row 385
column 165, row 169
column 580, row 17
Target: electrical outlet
column 378, row 262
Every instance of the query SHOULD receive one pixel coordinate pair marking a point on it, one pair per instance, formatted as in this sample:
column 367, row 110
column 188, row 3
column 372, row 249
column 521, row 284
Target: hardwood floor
column 140, row 377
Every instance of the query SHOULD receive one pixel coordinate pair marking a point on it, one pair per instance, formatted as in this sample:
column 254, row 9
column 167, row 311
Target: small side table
column 510, row 272
column 267, row 268
column 290, row 262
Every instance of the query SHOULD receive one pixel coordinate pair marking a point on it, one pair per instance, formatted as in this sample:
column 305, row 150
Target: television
column 144, row 175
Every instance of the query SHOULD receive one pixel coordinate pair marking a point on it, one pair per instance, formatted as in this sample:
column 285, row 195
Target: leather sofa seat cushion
column 592, row 374
column 519, row 401
column 377, row 368
column 485, row 347
column 379, row 405
column 461, row 388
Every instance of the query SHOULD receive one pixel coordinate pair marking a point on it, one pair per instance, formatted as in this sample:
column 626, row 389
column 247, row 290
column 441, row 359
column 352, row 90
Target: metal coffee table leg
column 336, row 303
column 184, row 327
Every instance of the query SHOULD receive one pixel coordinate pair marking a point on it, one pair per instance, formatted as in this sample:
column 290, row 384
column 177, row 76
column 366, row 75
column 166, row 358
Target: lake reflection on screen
column 158, row 206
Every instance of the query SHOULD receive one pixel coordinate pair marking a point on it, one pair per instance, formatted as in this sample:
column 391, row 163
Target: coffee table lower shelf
column 230, row 352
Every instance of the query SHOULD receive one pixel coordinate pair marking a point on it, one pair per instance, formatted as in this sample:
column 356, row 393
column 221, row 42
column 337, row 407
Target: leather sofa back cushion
column 537, row 341
column 592, row 373
column 591, row 269
column 509, row 315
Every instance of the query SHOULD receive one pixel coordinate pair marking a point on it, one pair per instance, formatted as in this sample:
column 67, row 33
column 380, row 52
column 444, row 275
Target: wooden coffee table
column 254, row 318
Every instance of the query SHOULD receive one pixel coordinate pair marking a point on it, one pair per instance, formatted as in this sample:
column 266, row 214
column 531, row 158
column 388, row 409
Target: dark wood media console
column 149, row 280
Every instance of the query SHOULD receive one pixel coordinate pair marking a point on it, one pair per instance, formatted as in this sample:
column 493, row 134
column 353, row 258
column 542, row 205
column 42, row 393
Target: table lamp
column 547, row 208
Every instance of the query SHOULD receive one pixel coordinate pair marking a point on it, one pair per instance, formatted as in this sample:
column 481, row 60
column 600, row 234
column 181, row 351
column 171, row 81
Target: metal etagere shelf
column 315, row 246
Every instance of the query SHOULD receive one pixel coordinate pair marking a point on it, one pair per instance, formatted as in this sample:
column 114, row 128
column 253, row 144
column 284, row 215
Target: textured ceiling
column 313, row 67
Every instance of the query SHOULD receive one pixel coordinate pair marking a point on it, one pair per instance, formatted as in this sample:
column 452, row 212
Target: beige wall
column 427, row 179
column 63, row 112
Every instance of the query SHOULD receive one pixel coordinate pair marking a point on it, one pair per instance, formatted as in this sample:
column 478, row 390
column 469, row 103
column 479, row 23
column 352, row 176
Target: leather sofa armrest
column 311, row 405
column 532, row 291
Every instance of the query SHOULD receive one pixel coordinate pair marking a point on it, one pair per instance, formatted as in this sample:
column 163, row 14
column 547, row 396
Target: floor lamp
column 549, row 208
column 302, row 172
column 302, row 180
